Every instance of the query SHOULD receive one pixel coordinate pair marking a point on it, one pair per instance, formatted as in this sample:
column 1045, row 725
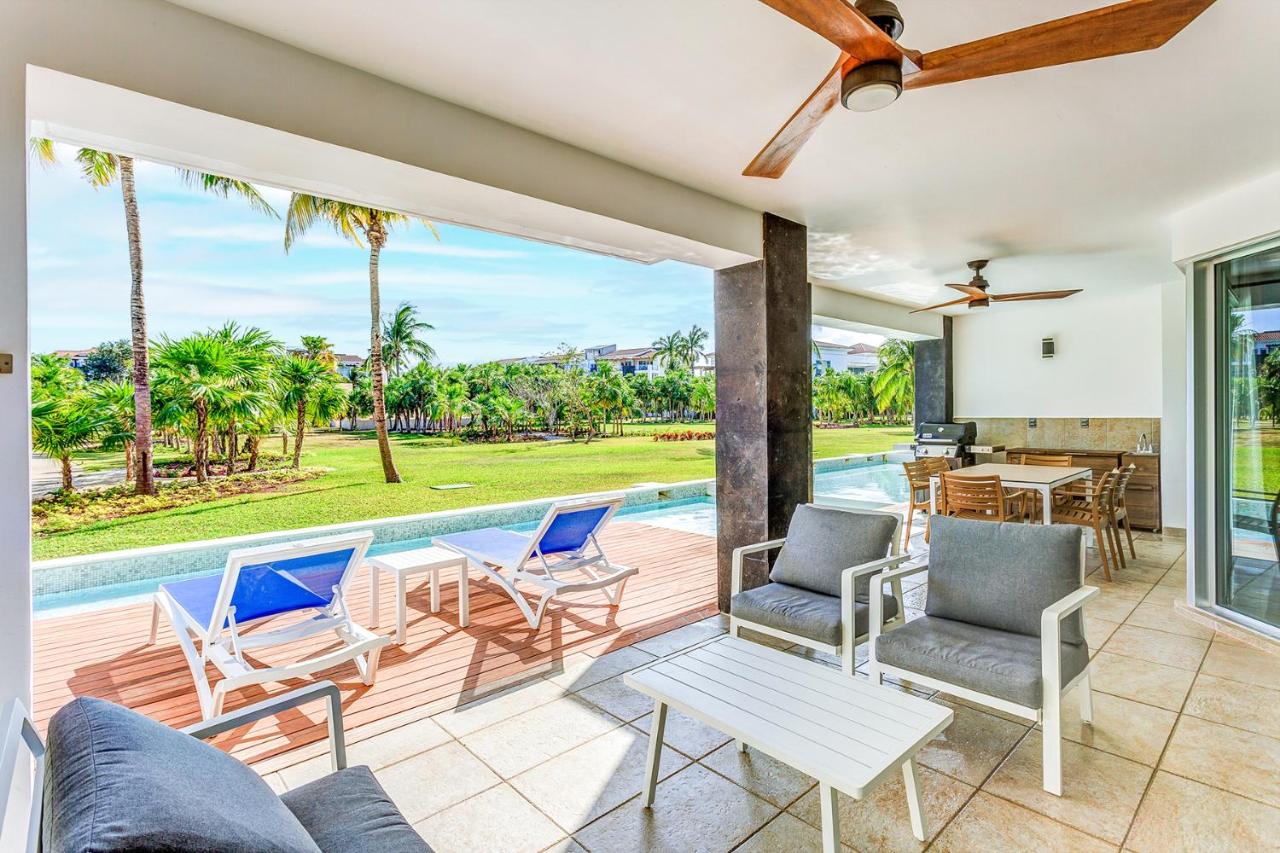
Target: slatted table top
column 844, row 731
column 418, row 559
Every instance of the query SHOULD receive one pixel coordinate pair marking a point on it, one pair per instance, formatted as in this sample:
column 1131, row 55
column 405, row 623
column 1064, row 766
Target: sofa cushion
column 998, row 663
column 116, row 780
column 822, row 543
column 348, row 812
column 799, row 611
column 1002, row 575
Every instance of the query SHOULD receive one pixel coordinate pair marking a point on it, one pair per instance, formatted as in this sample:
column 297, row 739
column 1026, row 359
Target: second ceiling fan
column 976, row 296
column 873, row 68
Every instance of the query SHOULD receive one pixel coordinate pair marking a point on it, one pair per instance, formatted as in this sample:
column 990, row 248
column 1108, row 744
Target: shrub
column 684, row 435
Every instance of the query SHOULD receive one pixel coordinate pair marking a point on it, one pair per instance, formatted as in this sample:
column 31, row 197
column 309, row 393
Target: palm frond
column 224, row 187
column 42, row 149
column 100, row 168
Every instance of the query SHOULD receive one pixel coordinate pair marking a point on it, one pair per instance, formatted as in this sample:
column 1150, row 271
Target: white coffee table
column 847, row 733
column 401, row 565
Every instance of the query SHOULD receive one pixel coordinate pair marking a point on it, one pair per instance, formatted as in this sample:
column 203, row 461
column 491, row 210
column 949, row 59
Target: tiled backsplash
column 1067, row 433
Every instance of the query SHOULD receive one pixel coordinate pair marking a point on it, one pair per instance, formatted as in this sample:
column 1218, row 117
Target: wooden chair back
column 1122, row 482
column 1051, row 460
column 978, row 495
column 918, row 473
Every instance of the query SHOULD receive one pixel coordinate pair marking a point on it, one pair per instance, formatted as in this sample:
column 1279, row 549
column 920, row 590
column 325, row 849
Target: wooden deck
column 105, row 654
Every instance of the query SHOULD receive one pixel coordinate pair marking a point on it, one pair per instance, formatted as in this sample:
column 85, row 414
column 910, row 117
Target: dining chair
column 1050, row 460
column 1092, row 508
column 1120, row 510
column 979, row 498
column 919, row 472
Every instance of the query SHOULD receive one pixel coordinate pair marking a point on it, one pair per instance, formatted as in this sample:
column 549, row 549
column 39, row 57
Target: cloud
column 273, row 233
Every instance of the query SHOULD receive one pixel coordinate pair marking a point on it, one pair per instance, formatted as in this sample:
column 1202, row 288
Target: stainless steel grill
column 952, row 441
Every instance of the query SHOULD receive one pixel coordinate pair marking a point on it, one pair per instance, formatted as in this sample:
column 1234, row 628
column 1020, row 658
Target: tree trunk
column 67, row 485
column 284, row 442
column 376, row 239
column 253, row 452
column 299, row 431
column 232, row 447
column 129, row 469
column 145, row 483
column 201, row 446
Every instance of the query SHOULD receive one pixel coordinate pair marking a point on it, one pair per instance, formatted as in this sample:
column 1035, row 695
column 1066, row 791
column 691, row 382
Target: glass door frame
column 1210, row 464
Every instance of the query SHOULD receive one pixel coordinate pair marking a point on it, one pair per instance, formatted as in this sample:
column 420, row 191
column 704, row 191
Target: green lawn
column 499, row 472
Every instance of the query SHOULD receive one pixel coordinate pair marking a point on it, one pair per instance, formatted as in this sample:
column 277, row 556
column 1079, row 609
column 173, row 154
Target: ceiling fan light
column 871, row 86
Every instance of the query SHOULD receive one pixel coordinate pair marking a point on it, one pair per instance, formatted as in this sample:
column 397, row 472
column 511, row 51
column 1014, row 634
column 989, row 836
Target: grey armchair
column 112, row 779
column 1003, row 624
column 817, row 595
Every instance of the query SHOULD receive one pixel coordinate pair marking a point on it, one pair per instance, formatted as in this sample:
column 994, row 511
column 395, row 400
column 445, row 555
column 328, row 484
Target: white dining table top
column 1030, row 475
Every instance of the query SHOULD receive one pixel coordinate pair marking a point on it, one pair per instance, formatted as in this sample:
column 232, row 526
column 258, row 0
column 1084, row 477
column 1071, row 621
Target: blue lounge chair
column 565, row 541
column 306, row 577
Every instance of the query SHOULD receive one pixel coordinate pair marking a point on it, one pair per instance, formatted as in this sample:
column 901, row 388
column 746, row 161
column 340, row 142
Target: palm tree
column 193, row 376
column 302, row 383
column 895, row 379
column 60, row 427
column 115, row 401
column 703, row 397
column 248, row 394
column 670, row 350
column 694, row 340
column 101, row 169
column 401, row 338
column 319, row 348
column 358, row 224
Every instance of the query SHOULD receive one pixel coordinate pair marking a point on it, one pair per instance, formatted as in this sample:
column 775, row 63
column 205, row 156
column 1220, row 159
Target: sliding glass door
column 1247, row 320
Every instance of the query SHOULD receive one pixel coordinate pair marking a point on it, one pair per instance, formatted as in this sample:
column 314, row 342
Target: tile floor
column 1184, row 754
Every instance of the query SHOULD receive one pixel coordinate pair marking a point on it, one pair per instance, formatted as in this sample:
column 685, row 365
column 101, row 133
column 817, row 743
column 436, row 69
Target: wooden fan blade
column 1128, row 27
column 941, row 305
column 1038, row 294
column 776, row 156
column 970, row 289
column 844, row 26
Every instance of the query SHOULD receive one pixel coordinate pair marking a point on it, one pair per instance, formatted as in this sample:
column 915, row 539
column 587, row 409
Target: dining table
column 1036, row 478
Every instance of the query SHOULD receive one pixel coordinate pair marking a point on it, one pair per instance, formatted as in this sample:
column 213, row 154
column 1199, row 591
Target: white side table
column 404, row 563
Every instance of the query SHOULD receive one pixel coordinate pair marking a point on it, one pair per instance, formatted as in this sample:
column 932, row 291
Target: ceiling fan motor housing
column 884, row 14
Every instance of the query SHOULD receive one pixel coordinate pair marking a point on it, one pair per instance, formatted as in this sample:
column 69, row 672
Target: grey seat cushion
column 799, row 611
column 822, row 543
column 998, row 663
column 348, row 812
column 116, row 780
column 1001, row 575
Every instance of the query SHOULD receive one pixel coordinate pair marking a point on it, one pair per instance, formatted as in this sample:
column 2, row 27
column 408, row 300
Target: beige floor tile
column 498, row 819
column 566, row 845
column 1143, row 681
column 786, row 833
column 1100, row 791
column 579, row 670
column 1097, row 631
column 376, row 752
column 1165, row 596
column 498, row 706
column 1157, row 647
column 993, row 825
column 679, row 638
column 880, row 821
column 1245, row 706
column 1182, row 816
column 1239, row 662
column 1120, row 726
column 1224, row 757
column 693, row 738
column 972, row 745
column 578, row 786
column 1110, row 609
column 763, row 776
column 1121, row 588
column 1141, row 571
column 1162, row 617
column 614, row 696
column 695, row 810
column 435, row 780
column 520, row 742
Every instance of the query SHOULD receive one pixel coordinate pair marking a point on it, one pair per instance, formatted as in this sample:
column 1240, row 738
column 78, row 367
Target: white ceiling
column 1068, row 173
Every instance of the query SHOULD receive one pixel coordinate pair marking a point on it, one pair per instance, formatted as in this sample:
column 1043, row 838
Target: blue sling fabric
column 569, row 531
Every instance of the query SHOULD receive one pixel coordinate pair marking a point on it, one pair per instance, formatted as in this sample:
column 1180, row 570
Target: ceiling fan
column 873, row 68
column 976, row 296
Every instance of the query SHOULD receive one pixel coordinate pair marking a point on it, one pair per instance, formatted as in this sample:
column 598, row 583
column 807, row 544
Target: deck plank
column 104, row 653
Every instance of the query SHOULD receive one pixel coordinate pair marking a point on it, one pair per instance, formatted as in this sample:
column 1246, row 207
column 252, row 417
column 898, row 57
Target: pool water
column 869, row 486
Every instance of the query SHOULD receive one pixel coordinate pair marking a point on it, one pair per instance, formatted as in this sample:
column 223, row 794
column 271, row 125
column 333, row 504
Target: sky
column 207, row 260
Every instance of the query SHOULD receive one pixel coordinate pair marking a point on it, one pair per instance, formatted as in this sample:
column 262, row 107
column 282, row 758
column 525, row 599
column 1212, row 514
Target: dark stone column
column 934, row 380
column 764, row 379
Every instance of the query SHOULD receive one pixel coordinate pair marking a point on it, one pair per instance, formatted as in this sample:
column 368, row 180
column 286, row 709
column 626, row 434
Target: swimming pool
column 867, row 483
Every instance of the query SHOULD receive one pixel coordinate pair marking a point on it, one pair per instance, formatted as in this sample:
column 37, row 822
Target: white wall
column 1240, row 215
column 1108, row 362
column 166, row 52
column 1173, row 417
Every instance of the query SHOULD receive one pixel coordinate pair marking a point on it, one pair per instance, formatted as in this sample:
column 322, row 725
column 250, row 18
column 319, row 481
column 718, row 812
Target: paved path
column 46, row 476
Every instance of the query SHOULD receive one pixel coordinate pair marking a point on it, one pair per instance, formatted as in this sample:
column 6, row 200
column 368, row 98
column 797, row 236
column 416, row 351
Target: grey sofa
column 1003, row 624
column 818, row 590
column 115, row 780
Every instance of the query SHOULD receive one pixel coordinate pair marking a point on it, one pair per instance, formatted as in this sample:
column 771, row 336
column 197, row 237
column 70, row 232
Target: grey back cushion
column 116, row 780
column 1001, row 575
column 822, row 543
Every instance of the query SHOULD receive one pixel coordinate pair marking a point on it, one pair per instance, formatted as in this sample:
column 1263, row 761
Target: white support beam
column 841, row 309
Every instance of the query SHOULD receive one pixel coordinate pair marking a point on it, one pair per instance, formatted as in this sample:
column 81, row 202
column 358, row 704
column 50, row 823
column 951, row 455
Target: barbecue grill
column 951, row 441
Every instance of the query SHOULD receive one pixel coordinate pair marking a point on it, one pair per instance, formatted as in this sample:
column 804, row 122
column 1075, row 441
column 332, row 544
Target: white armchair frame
column 848, row 642
column 1050, row 715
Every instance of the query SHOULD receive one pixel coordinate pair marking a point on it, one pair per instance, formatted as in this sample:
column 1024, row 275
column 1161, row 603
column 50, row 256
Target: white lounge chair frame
column 1050, row 716
column 539, row 570
column 221, row 643
column 848, row 642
